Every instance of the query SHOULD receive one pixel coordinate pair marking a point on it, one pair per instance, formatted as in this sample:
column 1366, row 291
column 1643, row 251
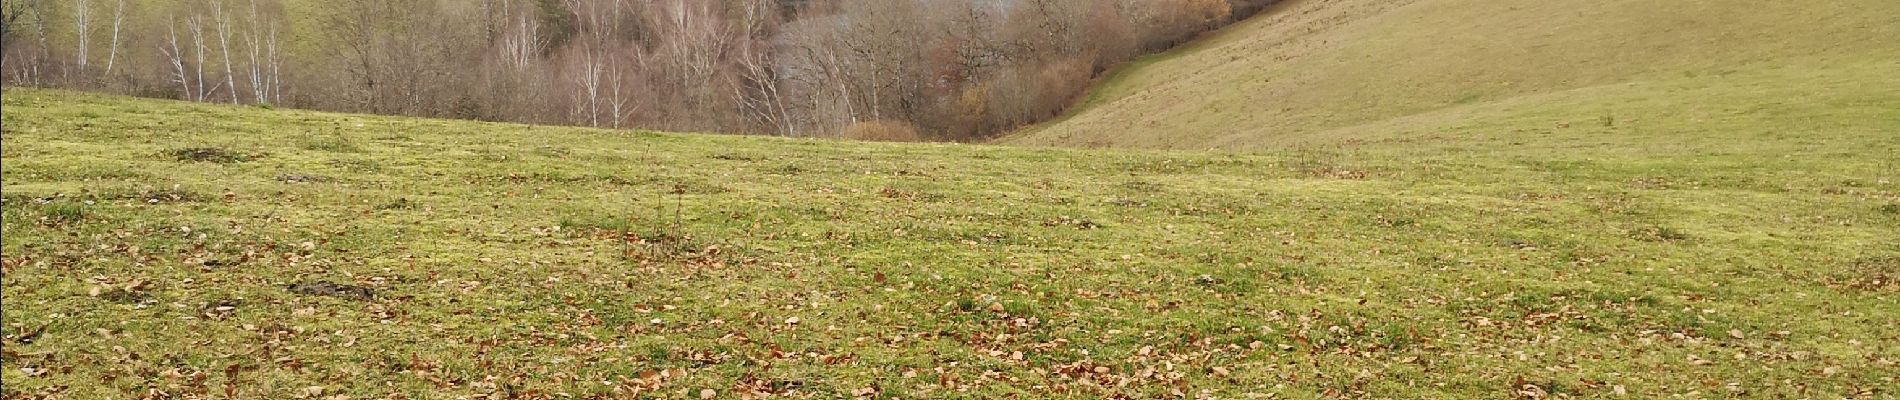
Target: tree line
column 868, row 69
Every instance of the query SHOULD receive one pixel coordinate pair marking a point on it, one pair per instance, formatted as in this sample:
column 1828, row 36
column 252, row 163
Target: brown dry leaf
column 708, row 393
column 1736, row 333
column 792, row 321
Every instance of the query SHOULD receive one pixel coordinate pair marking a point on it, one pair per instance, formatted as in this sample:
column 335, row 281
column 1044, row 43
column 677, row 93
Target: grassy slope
column 500, row 260
column 1324, row 73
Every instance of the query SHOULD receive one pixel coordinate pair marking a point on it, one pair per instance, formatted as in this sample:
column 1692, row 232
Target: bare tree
column 362, row 34
column 593, row 61
column 224, row 47
column 817, row 76
column 176, row 55
column 38, row 8
column 620, row 104
column 758, row 86
column 693, row 42
column 522, row 43
column 199, row 48
column 82, row 32
column 588, row 75
column 264, row 59
column 12, row 14
column 118, row 22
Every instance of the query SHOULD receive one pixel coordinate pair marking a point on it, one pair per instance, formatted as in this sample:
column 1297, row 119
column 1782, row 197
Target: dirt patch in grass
column 398, row 204
column 158, row 196
column 1077, row 223
column 675, row 249
column 209, row 154
column 1660, row 234
column 300, row 178
column 135, row 292
column 332, row 289
column 126, row 296
column 1331, row 172
column 737, row 157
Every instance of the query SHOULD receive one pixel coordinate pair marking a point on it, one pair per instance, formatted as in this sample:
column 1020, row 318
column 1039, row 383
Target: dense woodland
column 868, row 69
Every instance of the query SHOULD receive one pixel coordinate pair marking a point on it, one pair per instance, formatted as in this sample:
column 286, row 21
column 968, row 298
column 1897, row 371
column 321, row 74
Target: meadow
column 157, row 249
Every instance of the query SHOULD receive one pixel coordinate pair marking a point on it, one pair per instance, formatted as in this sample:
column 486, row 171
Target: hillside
column 1480, row 74
column 189, row 250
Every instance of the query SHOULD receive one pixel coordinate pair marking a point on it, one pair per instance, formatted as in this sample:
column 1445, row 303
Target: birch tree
column 118, row 23
column 176, row 55
column 224, row 47
column 82, row 32
column 265, row 62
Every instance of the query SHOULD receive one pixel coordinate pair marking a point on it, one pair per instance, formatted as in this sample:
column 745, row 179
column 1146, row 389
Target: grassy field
column 173, row 250
column 1331, row 72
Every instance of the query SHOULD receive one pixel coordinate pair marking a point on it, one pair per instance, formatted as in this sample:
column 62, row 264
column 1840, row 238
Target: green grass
column 1337, row 72
column 401, row 258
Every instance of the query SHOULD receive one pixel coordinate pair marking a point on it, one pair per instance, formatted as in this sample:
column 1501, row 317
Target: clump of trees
column 883, row 69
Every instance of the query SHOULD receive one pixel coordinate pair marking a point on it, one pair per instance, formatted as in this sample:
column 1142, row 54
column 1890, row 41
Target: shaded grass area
column 376, row 257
